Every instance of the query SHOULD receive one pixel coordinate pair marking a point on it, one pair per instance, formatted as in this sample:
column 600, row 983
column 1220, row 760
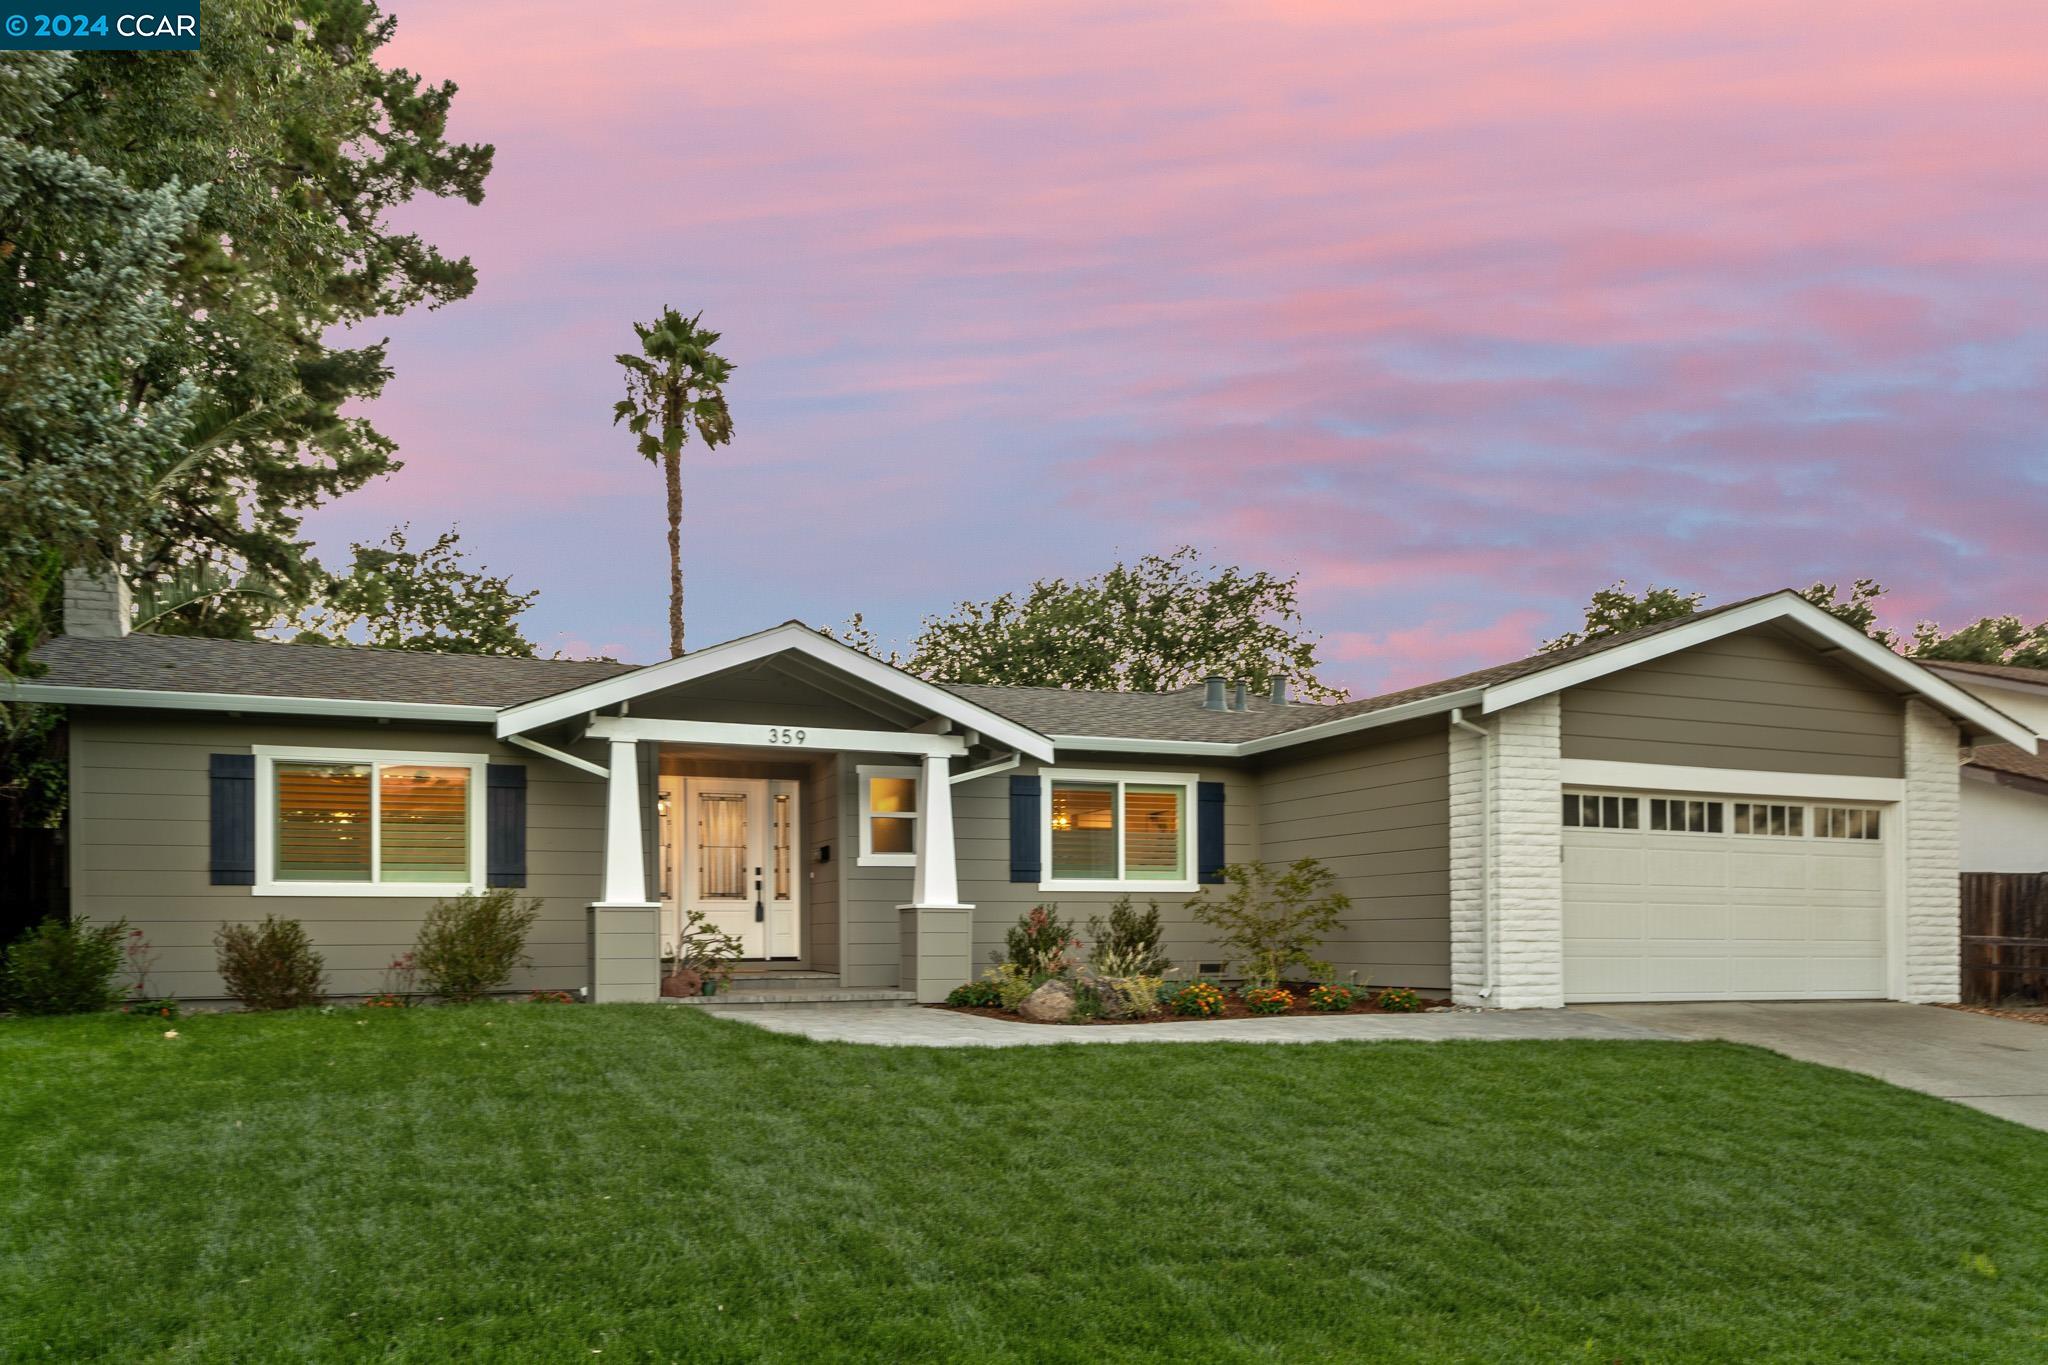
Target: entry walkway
column 948, row 1028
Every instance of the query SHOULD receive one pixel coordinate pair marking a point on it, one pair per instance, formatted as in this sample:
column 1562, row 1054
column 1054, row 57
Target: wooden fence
column 2005, row 937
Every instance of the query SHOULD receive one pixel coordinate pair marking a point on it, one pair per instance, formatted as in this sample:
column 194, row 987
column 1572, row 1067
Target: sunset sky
column 1459, row 308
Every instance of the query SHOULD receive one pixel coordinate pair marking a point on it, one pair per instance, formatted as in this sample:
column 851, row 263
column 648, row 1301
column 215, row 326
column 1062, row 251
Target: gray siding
column 1759, row 700
column 139, row 848
column 1378, row 816
column 870, row 932
column 981, row 812
column 821, row 880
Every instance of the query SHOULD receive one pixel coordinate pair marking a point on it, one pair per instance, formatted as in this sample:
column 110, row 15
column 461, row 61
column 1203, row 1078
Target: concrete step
column 740, row 1001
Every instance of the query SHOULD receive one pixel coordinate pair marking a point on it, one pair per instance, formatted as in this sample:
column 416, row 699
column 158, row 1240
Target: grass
column 547, row 1183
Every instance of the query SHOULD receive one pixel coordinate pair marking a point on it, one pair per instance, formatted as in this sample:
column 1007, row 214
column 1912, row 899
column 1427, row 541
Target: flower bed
column 1234, row 1006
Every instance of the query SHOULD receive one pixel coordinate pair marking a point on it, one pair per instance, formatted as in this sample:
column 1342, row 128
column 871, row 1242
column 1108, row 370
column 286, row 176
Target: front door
column 739, row 871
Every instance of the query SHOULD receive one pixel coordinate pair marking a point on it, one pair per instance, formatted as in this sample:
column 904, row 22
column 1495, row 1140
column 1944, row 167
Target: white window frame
column 868, row 856
column 1189, row 784
column 267, row 758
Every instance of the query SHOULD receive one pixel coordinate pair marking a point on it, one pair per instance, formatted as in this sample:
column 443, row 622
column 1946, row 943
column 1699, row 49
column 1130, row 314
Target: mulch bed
column 2023, row 1016
column 1233, row 1008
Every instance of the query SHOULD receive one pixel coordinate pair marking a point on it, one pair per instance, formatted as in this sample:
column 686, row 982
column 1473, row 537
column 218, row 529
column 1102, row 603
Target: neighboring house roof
column 2033, row 677
column 2011, row 761
column 527, row 693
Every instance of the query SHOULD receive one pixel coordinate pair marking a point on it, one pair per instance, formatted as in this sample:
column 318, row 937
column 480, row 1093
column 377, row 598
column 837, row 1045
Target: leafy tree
column 1858, row 609
column 1990, row 640
column 80, row 448
column 1271, row 921
column 304, row 144
column 674, row 386
column 1615, row 609
column 396, row 597
column 1162, row 623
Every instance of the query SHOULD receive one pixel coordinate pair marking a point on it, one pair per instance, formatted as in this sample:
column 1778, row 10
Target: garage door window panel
column 1588, row 811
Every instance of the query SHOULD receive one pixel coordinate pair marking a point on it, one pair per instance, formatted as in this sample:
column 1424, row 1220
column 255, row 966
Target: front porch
column 794, row 793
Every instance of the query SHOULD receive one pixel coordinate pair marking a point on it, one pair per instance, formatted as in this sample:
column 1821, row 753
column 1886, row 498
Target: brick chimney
column 96, row 603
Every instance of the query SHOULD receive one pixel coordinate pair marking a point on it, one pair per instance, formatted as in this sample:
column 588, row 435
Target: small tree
column 1269, row 921
column 1128, row 944
column 270, row 966
column 397, row 597
column 64, row 967
column 471, row 945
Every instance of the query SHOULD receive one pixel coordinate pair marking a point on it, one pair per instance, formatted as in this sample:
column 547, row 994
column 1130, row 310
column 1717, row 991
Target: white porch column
column 625, row 862
column 625, row 927
column 936, row 930
column 937, row 881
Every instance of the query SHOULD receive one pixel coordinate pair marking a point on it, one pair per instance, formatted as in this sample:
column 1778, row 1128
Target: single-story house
column 1753, row 802
column 2005, row 787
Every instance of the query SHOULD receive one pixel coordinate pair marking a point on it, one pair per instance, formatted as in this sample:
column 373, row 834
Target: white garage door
column 1674, row 897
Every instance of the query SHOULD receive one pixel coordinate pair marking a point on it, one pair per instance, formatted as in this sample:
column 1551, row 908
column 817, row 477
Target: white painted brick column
column 1932, row 893
column 1527, row 875
column 1468, row 862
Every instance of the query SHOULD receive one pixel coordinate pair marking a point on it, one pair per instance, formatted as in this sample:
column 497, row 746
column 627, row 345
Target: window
column 888, row 816
column 1106, row 831
column 368, row 823
column 1601, row 812
column 1844, row 822
column 1685, row 817
column 1771, row 819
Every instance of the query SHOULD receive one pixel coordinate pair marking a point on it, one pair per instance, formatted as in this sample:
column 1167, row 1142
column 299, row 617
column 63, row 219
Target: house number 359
column 782, row 734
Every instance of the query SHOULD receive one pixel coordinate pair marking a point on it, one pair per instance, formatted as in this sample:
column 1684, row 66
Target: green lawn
column 525, row 1182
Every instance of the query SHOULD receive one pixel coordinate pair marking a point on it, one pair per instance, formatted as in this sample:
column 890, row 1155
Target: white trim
column 1370, row 720
column 267, row 756
column 788, row 638
column 868, row 857
column 1187, row 748
column 1779, row 606
column 52, row 695
column 1642, row 777
column 1189, row 783
column 986, row 769
column 546, row 751
column 777, row 736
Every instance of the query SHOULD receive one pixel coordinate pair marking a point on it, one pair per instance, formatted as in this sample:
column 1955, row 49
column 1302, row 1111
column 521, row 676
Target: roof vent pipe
column 1212, row 693
column 1278, row 683
column 1241, row 704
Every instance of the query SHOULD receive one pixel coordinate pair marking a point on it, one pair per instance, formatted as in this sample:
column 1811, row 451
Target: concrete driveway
column 1997, row 1065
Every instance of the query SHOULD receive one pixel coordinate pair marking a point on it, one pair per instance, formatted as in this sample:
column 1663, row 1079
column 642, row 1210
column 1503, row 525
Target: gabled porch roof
column 796, row 649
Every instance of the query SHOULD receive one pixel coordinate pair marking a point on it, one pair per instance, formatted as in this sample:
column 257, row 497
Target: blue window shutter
column 505, row 825
column 1024, row 829
column 231, row 797
column 1209, row 858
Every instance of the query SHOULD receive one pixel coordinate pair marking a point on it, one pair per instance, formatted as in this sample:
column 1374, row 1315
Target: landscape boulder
column 1052, row 1003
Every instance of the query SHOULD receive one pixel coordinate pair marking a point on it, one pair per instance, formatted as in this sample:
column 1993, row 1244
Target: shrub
column 702, row 947
column 65, row 967
column 1268, row 1000
column 1198, row 1000
column 1011, row 983
column 1128, row 944
column 270, row 966
column 550, row 998
column 384, row 1000
column 1399, row 1000
column 983, row 995
column 1140, row 993
column 1040, row 942
column 1332, row 998
column 471, row 945
column 1269, row 922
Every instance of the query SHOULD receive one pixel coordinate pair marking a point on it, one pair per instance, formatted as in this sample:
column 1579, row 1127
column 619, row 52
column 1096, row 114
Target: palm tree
column 676, row 383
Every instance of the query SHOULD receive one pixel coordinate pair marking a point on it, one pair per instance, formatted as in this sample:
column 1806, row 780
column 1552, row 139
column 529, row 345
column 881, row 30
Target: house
column 2005, row 786
column 1753, row 802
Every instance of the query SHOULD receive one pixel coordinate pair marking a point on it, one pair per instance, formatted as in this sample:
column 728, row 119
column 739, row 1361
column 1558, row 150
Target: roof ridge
column 349, row 646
